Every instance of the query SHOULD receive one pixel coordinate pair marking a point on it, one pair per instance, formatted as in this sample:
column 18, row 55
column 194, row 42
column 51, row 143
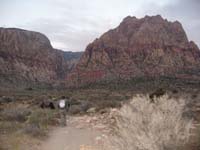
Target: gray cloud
column 71, row 25
column 67, row 33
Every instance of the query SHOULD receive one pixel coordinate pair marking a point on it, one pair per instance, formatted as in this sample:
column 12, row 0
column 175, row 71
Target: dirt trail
column 76, row 136
column 70, row 138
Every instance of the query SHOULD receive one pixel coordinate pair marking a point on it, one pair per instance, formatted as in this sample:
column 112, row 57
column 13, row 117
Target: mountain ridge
column 27, row 58
column 146, row 47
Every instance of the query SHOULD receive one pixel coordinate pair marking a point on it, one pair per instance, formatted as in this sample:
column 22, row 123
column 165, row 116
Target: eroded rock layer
column 147, row 47
column 27, row 58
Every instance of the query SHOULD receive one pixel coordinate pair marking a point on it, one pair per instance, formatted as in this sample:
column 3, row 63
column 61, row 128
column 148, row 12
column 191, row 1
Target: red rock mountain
column 147, row 47
column 27, row 58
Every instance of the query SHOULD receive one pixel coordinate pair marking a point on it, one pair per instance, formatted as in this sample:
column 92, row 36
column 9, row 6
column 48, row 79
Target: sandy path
column 72, row 138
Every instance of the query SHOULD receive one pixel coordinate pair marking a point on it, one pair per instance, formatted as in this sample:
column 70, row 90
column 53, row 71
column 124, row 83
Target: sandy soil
column 70, row 138
column 79, row 134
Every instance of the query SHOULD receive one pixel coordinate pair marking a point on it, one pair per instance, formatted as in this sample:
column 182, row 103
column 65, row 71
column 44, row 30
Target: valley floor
column 23, row 123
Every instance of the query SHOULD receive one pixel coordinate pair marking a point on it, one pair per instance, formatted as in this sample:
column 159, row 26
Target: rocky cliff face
column 27, row 58
column 147, row 47
column 71, row 58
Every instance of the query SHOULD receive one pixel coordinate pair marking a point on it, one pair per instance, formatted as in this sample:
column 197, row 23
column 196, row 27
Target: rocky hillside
column 27, row 58
column 147, row 47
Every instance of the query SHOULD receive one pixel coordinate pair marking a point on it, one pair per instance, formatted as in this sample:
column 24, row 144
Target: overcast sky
column 72, row 24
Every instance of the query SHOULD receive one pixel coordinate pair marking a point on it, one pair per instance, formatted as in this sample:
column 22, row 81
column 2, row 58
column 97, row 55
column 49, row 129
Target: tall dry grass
column 143, row 125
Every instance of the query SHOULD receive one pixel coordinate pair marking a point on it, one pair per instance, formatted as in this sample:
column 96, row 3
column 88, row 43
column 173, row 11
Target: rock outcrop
column 27, row 58
column 71, row 58
column 147, row 47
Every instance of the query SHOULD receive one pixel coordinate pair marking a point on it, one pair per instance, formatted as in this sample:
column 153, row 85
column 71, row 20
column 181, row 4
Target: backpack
column 62, row 104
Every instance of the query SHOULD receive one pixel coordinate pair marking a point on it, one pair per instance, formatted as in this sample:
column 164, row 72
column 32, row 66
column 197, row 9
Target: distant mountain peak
column 146, row 47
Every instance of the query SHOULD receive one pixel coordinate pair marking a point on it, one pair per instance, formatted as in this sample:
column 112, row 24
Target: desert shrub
column 79, row 107
column 39, row 122
column 42, row 118
column 15, row 114
column 75, row 109
column 6, row 99
column 34, row 130
column 85, row 106
column 9, row 126
column 107, row 104
column 158, row 93
column 143, row 125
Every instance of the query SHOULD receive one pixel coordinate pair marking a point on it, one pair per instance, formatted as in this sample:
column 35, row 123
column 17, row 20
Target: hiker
column 64, row 106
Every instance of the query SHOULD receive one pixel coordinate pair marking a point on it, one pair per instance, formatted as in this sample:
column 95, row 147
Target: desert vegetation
column 20, row 123
column 146, row 125
column 152, row 120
